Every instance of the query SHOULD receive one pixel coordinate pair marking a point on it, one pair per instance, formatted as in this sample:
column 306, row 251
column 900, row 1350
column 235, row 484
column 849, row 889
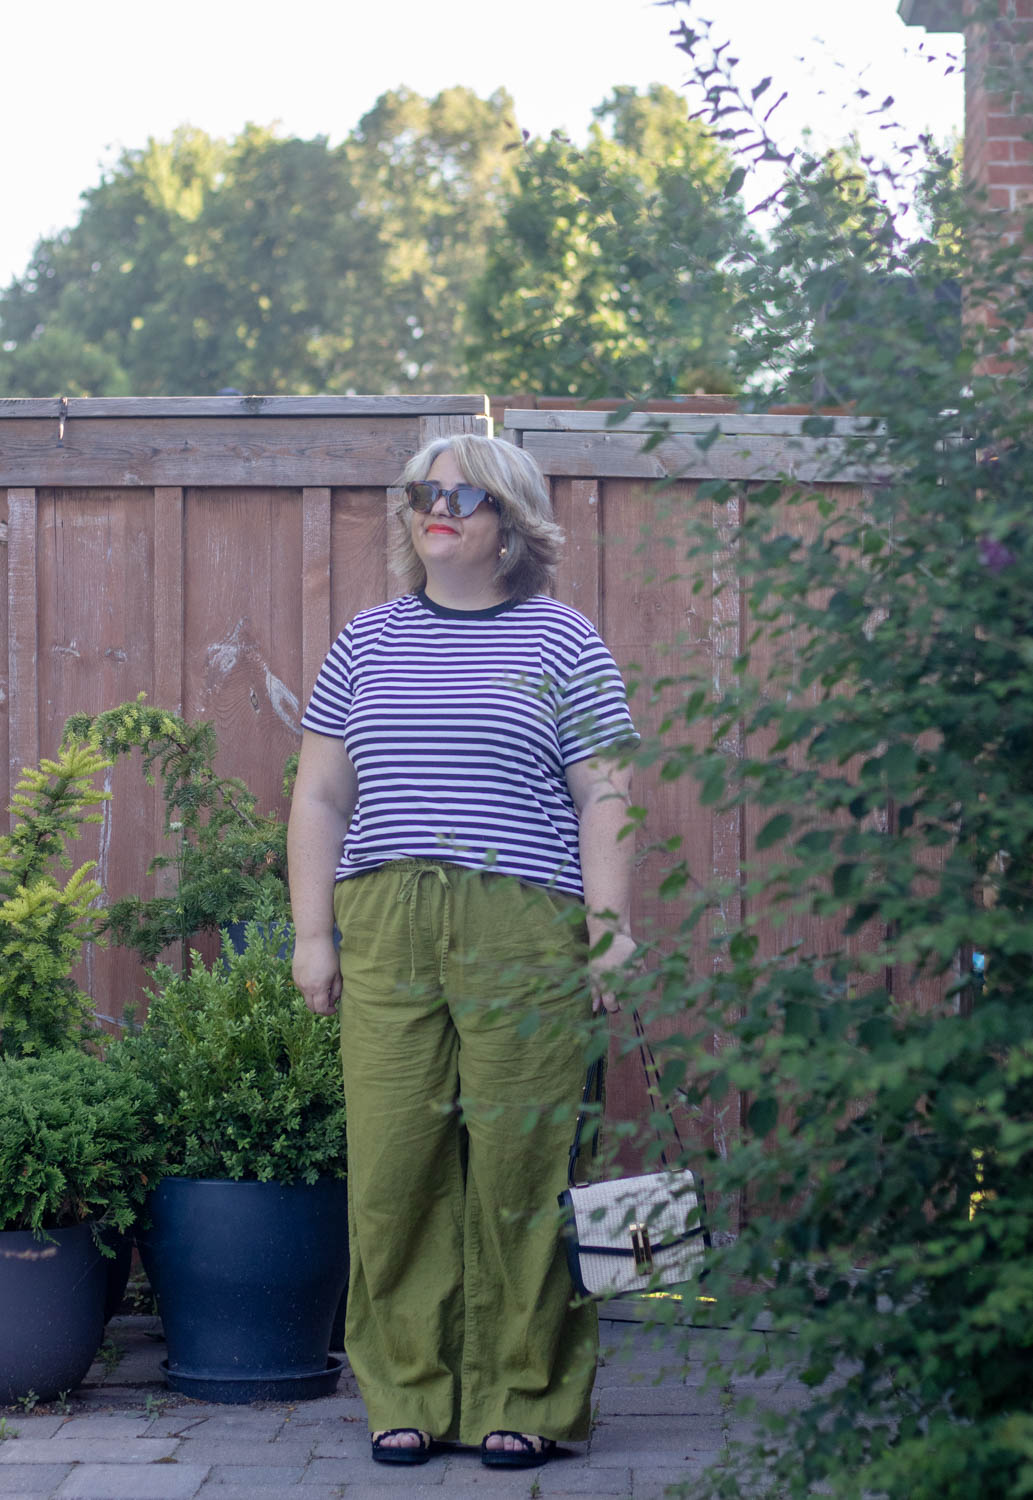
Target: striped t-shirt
column 460, row 725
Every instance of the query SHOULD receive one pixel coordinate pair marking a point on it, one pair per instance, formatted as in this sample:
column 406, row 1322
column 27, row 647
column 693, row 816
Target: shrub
column 43, row 922
column 877, row 725
column 247, row 1080
column 73, row 1142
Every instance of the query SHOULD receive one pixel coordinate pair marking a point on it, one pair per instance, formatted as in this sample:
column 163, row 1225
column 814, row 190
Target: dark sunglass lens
column 421, row 496
column 466, row 499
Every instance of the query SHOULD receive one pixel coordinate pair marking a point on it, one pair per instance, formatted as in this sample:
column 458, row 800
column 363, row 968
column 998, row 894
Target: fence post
column 23, row 632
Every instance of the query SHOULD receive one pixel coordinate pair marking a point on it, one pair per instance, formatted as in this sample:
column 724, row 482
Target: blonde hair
column 526, row 528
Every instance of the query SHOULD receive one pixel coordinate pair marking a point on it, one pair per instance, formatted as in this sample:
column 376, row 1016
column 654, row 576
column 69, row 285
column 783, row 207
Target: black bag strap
column 593, row 1085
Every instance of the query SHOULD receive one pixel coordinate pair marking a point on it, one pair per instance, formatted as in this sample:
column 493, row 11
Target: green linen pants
column 463, row 1019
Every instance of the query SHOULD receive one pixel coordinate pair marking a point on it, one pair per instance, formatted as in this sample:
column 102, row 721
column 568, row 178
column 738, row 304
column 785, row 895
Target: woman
column 457, row 808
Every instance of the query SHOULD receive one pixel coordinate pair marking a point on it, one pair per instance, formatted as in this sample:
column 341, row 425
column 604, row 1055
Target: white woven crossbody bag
column 632, row 1234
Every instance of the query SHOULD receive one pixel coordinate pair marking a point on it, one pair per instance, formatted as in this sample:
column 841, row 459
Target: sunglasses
column 462, row 501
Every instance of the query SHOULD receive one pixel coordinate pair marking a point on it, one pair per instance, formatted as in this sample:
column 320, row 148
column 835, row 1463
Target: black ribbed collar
column 465, row 614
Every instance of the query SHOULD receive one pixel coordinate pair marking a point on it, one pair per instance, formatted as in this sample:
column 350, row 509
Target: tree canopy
column 270, row 264
column 436, row 249
column 431, row 250
column 609, row 273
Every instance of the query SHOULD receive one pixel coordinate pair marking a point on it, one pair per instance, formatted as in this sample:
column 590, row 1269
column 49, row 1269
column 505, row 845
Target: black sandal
column 392, row 1454
column 533, row 1452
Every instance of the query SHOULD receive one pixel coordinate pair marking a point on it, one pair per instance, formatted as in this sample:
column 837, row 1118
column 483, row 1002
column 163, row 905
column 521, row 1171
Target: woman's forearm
column 607, row 863
column 324, row 799
column 602, row 793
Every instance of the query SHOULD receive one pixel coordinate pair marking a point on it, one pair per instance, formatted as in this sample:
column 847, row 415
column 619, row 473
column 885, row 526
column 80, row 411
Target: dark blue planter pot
column 51, row 1311
column 337, row 1331
column 117, row 1270
column 248, row 1277
column 237, row 934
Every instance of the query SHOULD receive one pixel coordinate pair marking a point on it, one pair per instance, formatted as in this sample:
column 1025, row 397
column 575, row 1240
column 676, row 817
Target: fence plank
column 168, row 649
column 243, row 629
column 648, row 607
column 577, row 504
column 23, row 631
column 95, row 586
column 437, row 426
column 278, row 450
column 358, row 539
column 747, row 457
column 315, row 584
column 150, row 407
column 759, row 424
column 168, row 598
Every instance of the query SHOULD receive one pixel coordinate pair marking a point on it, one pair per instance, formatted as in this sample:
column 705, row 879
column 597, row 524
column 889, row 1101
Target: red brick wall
column 999, row 140
column 999, row 125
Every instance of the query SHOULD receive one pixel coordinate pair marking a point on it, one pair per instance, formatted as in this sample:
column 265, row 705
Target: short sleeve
column 593, row 714
column 327, row 710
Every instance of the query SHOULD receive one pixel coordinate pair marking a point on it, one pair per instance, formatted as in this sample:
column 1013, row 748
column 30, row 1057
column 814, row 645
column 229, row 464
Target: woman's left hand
column 601, row 971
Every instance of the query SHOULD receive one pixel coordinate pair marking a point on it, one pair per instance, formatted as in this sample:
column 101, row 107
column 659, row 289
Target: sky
column 82, row 83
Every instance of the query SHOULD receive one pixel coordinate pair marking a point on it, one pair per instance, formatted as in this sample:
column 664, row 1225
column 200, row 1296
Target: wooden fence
column 205, row 551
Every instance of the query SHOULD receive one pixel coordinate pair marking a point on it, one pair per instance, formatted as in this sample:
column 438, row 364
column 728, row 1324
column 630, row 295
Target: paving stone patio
column 123, row 1436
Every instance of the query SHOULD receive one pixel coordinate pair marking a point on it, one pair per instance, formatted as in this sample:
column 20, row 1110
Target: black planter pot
column 51, row 1310
column 248, row 1277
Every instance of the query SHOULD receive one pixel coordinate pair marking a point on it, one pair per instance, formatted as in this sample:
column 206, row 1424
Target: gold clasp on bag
column 642, row 1248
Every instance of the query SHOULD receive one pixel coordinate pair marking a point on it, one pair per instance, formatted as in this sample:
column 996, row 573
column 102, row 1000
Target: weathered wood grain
column 438, row 425
column 243, row 628
column 744, row 457
column 95, row 590
column 231, row 451
column 315, row 584
column 359, row 554
column 168, row 598
column 150, row 407
column 577, row 505
column 759, row 424
column 656, row 629
column 168, row 623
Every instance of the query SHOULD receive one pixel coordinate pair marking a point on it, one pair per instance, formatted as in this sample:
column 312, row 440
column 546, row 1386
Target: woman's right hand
column 317, row 973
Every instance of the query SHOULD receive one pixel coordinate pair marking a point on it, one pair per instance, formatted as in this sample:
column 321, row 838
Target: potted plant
column 230, row 860
column 246, row 1246
column 75, row 1164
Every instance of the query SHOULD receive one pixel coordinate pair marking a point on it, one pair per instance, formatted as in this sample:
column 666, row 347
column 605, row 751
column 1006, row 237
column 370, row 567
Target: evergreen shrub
column 247, row 1081
column 75, row 1143
column 44, row 920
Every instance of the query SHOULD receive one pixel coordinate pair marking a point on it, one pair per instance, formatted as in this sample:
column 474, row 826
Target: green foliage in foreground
column 247, row 1080
column 875, row 720
column 44, row 920
column 73, row 1143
